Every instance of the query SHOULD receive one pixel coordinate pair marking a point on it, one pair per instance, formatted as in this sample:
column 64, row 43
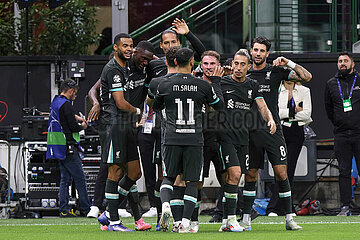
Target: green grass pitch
column 314, row 227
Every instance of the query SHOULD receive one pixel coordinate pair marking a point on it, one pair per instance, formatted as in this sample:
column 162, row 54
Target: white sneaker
column 194, row 226
column 291, row 225
column 234, row 226
column 123, row 213
column 246, row 226
column 94, row 212
column 165, row 216
column 185, row 230
column 151, row 213
column 272, row 214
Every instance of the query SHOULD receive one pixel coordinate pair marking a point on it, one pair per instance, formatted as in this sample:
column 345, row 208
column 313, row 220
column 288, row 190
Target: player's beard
column 121, row 56
column 259, row 63
column 345, row 72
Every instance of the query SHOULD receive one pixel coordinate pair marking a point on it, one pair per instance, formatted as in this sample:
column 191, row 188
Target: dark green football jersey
column 239, row 97
column 183, row 96
column 113, row 79
column 137, row 85
column 269, row 79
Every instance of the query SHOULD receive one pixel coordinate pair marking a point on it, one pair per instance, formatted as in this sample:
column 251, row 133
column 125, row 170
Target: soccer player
column 182, row 96
column 158, row 68
column 210, row 60
column 136, row 93
column 240, row 93
column 269, row 78
column 118, row 140
column 158, row 140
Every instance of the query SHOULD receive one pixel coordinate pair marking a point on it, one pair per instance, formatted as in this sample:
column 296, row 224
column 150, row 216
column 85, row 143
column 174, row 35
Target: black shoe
column 70, row 213
column 216, row 218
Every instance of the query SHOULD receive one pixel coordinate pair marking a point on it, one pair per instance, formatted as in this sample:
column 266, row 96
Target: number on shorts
column 247, row 162
column 282, row 151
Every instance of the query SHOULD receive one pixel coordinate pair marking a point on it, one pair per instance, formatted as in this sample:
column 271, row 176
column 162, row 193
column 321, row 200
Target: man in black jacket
column 342, row 103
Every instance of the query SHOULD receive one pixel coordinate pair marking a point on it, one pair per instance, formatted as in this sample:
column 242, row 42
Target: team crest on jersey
column 117, row 154
column 268, row 75
column 117, row 78
column 250, row 94
column 230, row 104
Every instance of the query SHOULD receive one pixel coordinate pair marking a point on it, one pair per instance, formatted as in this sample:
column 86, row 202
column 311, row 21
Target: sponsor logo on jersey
column 117, row 154
column 227, row 160
column 230, row 104
column 238, row 105
column 264, row 88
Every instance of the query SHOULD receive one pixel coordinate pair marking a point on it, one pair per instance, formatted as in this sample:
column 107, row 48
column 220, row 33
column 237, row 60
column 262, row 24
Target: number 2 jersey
column 236, row 117
column 183, row 96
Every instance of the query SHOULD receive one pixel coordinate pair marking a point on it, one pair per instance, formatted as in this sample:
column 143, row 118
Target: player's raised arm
column 298, row 73
column 181, row 28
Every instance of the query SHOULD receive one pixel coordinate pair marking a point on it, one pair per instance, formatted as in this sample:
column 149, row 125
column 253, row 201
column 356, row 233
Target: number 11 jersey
column 183, row 97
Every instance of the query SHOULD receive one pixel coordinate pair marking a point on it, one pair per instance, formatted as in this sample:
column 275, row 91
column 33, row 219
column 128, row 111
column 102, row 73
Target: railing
column 180, row 9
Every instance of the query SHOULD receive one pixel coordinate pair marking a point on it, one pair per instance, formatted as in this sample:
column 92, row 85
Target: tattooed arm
column 298, row 73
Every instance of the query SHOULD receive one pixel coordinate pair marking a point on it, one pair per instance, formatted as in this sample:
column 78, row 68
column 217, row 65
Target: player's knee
column 234, row 177
column 251, row 177
column 135, row 175
column 281, row 176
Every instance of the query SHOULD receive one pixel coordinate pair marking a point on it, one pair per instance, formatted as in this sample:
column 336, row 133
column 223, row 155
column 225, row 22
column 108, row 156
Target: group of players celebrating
column 230, row 118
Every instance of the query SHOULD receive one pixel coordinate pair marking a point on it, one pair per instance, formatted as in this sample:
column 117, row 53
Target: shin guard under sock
column 285, row 195
column 112, row 197
column 230, row 193
column 249, row 194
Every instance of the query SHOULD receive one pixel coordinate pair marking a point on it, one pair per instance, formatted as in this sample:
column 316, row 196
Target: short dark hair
column 119, row 36
column 243, row 52
column 170, row 56
column 146, row 45
column 183, row 56
column 346, row 54
column 68, row 84
column 228, row 62
column 211, row 53
column 168, row 31
column 261, row 40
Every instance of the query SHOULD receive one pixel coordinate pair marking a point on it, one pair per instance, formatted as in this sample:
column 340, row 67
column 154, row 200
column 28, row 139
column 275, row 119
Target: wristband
column 138, row 111
column 291, row 64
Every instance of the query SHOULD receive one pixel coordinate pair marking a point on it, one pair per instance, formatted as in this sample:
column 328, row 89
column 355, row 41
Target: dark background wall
column 12, row 69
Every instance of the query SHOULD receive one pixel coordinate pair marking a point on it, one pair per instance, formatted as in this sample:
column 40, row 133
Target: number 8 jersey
column 183, row 96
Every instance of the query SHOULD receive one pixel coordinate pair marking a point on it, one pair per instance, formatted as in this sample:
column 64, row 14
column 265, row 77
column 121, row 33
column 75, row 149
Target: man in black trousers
column 342, row 103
